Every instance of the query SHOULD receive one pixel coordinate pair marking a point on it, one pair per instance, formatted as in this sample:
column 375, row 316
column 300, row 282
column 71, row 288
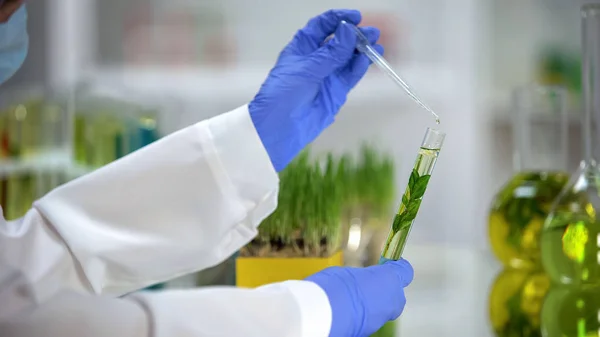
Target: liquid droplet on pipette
column 422, row 105
column 436, row 116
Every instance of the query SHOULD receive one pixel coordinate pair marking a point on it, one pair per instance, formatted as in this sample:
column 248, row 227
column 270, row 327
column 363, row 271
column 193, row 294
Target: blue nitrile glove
column 364, row 299
column 309, row 84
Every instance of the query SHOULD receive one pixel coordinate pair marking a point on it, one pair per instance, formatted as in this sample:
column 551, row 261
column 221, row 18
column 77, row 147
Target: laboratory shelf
column 502, row 112
column 505, row 119
column 47, row 160
column 431, row 82
column 52, row 160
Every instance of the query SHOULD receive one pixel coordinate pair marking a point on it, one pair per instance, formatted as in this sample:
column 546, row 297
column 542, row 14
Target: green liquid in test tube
column 413, row 195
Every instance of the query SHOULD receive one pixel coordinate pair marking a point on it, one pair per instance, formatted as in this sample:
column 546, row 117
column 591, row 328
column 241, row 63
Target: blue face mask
column 14, row 44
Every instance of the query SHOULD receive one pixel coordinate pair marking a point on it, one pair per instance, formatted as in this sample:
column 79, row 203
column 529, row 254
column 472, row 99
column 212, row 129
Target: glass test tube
column 413, row 195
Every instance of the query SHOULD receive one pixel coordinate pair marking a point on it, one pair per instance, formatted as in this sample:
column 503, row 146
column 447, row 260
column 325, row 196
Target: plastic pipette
column 364, row 46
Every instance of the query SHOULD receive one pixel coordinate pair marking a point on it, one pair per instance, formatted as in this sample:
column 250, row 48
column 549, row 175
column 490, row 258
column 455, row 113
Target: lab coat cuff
column 315, row 309
column 244, row 158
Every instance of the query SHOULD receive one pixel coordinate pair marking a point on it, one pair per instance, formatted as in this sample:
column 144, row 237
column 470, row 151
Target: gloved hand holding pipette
column 309, row 84
column 364, row 45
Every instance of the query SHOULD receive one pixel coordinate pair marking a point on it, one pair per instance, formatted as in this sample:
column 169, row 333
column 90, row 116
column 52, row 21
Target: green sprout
column 315, row 194
column 373, row 183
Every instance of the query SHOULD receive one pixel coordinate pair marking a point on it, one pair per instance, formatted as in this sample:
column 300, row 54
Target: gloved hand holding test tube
column 364, row 46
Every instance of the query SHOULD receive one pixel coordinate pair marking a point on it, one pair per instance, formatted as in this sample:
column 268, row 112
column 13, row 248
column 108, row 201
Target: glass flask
column 515, row 302
column 518, row 210
column 570, row 239
column 571, row 312
column 81, row 140
column 22, row 122
column 20, row 194
column 53, row 122
column 33, row 122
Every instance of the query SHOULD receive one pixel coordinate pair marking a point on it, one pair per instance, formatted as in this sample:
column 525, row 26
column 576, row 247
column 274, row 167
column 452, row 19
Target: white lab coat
column 182, row 204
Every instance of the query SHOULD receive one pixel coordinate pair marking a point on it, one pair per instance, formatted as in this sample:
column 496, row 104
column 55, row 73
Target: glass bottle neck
column 591, row 77
column 540, row 128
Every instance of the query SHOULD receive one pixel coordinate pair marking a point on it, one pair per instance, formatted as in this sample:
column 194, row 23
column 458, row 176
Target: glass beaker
column 23, row 109
column 518, row 211
column 570, row 239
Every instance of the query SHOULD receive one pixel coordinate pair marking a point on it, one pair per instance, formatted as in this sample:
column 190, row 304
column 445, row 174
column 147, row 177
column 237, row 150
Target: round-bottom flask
column 515, row 302
column 517, row 216
column 571, row 312
column 519, row 209
column 570, row 240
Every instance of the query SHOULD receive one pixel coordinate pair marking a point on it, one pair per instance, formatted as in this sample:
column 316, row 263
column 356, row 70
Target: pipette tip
column 428, row 109
column 365, row 47
column 437, row 117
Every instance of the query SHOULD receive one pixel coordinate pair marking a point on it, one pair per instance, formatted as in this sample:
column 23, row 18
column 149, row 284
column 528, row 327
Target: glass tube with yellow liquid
column 413, row 195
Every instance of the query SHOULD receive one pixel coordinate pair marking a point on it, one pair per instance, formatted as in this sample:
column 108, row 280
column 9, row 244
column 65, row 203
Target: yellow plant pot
column 254, row 272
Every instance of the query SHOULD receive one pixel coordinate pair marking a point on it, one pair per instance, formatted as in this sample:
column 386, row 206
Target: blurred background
column 202, row 58
column 106, row 77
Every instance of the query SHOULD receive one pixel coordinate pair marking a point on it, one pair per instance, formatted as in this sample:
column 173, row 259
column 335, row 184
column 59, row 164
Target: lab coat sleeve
column 292, row 308
column 288, row 309
column 181, row 204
